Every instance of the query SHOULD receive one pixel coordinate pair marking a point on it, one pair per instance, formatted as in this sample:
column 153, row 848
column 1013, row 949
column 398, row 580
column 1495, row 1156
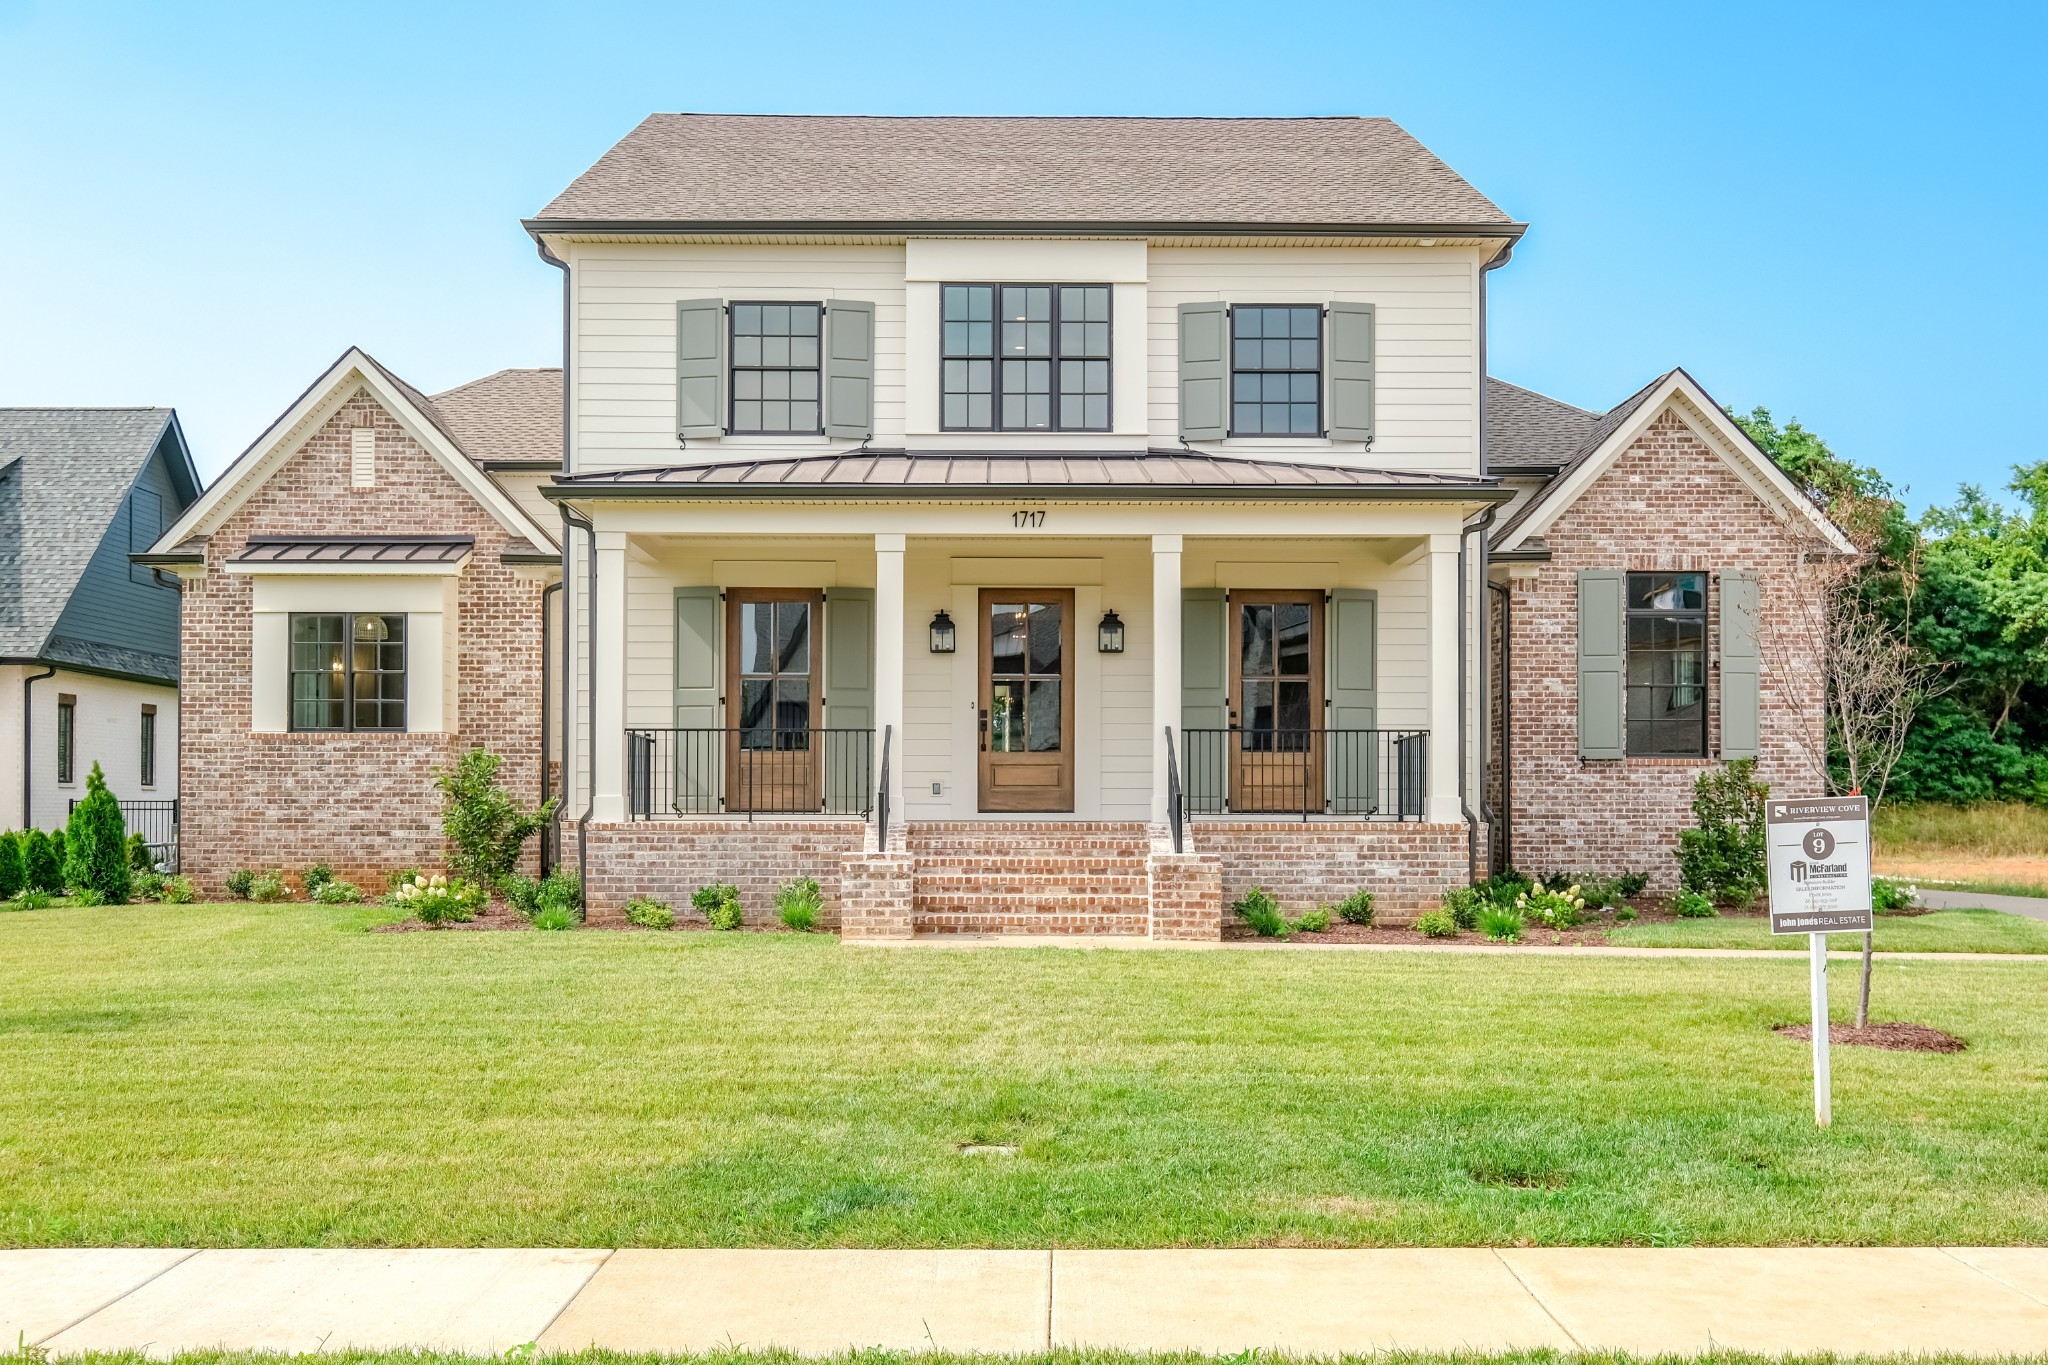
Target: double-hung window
column 347, row 671
column 1024, row 357
column 775, row 369
column 67, row 738
column 1276, row 370
column 147, row 757
column 1667, row 665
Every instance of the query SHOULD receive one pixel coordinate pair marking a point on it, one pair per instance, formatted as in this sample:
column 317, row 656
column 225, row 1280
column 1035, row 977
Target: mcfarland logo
column 1800, row 871
column 1797, row 871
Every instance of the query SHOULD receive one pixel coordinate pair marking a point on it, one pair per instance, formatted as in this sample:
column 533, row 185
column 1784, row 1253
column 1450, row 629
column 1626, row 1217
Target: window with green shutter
column 1667, row 665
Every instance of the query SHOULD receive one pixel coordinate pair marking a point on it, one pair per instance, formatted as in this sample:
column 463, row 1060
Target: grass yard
column 267, row 1075
column 1944, row 931
column 1999, row 847
column 1066, row 1356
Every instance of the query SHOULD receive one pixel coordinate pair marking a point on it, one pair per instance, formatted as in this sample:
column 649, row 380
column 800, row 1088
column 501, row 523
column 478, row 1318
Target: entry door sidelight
column 772, row 749
column 1276, row 651
column 1027, row 699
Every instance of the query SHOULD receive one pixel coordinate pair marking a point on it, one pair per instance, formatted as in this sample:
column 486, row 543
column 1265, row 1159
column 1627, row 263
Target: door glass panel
column 774, row 684
column 1045, row 637
column 793, row 637
column 1006, row 638
column 1255, row 641
column 757, row 654
column 1294, row 710
column 1006, row 718
column 756, row 697
column 1290, row 623
column 1043, row 717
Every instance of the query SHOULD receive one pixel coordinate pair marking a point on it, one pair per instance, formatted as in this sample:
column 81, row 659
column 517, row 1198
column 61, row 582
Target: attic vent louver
column 362, row 457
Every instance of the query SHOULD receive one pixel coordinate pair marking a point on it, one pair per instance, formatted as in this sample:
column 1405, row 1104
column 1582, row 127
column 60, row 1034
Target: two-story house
column 1018, row 524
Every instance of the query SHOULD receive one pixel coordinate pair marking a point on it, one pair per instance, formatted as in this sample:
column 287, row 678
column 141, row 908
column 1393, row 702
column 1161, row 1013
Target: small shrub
column 555, row 917
column 1553, row 909
column 405, row 876
column 485, row 826
column 1693, row 905
column 96, row 844
column 799, row 902
column 1625, row 913
column 315, row 877
column 720, row 904
column 1356, row 908
column 177, row 891
column 240, row 882
column 1257, row 908
column 1316, row 921
column 1599, row 893
column 436, row 900
column 33, row 898
column 649, row 913
column 1502, row 887
column 10, row 865
column 560, row 893
column 86, row 895
column 1437, row 924
column 140, row 859
column 334, row 891
column 1888, row 896
column 269, row 886
column 1723, row 855
column 1500, row 924
column 1632, row 883
column 522, row 893
column 42, row 861
column 1463, row 904
column 149, row 885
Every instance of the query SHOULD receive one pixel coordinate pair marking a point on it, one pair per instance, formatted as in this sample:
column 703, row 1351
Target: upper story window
column 1667, row 665
column 775, row 369
column 347, row 671
column 1024, row 357
column 1276, row 370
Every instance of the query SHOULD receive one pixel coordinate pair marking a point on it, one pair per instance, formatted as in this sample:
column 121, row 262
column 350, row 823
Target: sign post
column 1819, row 857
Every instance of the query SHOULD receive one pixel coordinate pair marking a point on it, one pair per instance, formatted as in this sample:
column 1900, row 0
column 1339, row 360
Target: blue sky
column 1825, row 209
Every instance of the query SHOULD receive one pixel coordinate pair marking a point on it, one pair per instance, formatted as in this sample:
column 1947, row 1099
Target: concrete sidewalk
column 1684, row 1301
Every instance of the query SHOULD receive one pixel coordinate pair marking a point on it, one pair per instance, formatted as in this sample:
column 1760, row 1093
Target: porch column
column 1442, row 804
column 608, row 692
column 1166, row 550
column 890, row 644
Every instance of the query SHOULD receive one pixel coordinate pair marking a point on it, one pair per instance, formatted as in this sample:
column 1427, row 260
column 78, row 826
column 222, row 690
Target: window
column 347, row 672
column 1667, row 665
column 67, row 738
column 1276, row 370
column 1024, row 357
column 147, row 765
column 775, row 369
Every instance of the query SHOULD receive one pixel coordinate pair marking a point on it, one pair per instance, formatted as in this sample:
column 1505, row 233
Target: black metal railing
column 882, row 796
column 1364, row 774
column 157, row 823
column 712, row 771
column 1176, row 802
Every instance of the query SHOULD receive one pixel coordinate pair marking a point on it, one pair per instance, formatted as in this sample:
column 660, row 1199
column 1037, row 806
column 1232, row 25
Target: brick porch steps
column 1029, row 877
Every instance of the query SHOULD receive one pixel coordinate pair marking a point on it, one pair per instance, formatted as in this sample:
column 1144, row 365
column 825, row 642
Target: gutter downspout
column 1464, row 673
column 28, row 733
column 1494, row 822
column 1506, row 858
column 545, row 645
column 582, row 842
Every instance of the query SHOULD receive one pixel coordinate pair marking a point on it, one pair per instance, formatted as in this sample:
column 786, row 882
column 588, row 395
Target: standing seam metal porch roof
column 353, row 550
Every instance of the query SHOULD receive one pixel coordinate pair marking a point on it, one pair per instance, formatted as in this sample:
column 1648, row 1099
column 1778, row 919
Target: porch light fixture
column 942, row 633
column 1109, row 636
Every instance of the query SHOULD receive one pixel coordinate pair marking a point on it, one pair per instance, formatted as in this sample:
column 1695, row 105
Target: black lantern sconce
column 1109, row 636
column 942, row 634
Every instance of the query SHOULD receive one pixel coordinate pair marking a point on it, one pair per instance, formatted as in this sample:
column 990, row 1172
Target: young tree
column 42, row 862
column 10, row 865
column 484, row 826
column 96, row 843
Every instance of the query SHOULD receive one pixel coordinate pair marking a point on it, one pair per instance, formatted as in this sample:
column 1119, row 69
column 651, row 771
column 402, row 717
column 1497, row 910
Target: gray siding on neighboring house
column 122, row 606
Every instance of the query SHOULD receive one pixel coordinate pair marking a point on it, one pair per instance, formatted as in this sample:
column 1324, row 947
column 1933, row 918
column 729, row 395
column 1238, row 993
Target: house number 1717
column 1027, row 519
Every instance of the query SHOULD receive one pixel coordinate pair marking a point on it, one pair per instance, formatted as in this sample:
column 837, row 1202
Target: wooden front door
column 1276, row 701
column 772, row 748
column 1027, row 699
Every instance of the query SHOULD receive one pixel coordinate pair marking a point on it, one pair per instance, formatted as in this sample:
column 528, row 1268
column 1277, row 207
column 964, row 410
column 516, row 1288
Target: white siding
column 109, row 732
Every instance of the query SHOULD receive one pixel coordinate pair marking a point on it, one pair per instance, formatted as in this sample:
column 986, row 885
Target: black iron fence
column 677, row 772
column 1365, row 774
column 157, row 823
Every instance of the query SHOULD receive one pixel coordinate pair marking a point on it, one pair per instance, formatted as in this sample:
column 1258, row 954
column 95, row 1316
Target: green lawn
column 1944, row 931
column 263, row 1075
column 1065, row 1356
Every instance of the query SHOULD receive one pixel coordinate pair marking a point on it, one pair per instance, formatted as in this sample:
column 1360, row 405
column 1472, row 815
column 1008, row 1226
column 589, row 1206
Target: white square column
column 608, row 682
column 1166, row 608
column 1442, row 807
column 890, row 646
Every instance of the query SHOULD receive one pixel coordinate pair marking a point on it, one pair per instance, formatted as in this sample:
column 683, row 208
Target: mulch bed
column 1892, row 1037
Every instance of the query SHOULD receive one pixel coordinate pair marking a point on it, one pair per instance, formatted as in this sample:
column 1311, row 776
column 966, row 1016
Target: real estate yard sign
column 1819, row 856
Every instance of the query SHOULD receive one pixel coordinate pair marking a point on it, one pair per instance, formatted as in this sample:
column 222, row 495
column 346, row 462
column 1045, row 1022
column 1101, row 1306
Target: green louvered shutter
column 850, row 369
column 1741, row 664
column 697, row 757
column 1352, row 385
column 1204, row 697
column 1603, row 663
column 849, row 697
column 700, row 368
column 1352, row 634
column 1204, row 371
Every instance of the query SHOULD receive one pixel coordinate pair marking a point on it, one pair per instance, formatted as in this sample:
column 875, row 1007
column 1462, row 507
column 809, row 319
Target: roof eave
column 537, row 227
column 1476, row 494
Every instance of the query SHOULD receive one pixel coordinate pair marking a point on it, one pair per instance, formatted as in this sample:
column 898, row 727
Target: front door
column 1027, row 699
column 1276, row 701
column 772, row 750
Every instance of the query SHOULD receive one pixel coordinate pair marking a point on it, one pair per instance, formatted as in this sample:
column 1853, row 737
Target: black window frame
column 1053, row 359
column 1632, row 613
column 67, row 739
column 349, row 674
column 733, row 368
column 1321, row 372
column 146, row 743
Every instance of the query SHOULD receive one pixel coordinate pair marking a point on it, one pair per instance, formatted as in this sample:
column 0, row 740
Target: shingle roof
column 63, row 475
column 746, row 168
column 1525, row 428
column 353, row 550
column 1596, row 436
column 510, row 415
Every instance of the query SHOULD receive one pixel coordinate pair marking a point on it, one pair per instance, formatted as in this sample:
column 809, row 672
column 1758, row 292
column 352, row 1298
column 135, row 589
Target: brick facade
column 363, row 802
column 1186, row 895
column 1668, row 502
column 1030, row 876
column 1306, row 863
column 669, row 859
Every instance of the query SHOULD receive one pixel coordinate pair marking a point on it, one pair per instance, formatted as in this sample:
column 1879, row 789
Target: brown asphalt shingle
column 510, row 415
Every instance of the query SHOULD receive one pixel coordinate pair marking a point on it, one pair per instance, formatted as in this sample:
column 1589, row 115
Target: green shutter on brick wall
column 1603, row 663
column 850, row 369
column 700, row 368
column 1741, row 664
column 1204, row 371
column 1353, row 362
column 1204, row 693
column 1352, row 636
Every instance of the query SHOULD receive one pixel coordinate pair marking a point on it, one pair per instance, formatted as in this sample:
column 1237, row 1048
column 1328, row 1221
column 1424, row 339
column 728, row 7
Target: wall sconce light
column 1109, row 636
column 942, row 634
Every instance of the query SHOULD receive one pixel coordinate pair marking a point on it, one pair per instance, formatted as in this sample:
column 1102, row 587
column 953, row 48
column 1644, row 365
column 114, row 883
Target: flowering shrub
column 270, row 886
column 1693, row 905
column 333, row 891
column 1887, row 895
column 437, row 900
column 1552, row 909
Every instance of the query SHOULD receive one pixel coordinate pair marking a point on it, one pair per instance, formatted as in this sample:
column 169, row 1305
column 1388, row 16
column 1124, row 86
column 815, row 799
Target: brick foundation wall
column 1667, row 503
column 1186, row 896
column 668, row 859
column 363, row 802
column 1319, row 862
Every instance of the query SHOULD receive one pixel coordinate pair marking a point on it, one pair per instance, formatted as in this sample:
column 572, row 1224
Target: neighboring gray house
column 88, row 641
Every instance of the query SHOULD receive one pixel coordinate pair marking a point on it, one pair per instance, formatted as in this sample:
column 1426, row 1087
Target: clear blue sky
column 1825, row 209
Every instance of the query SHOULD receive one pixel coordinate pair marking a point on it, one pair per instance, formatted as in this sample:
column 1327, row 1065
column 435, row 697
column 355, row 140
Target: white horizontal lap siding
column 650, row 644
column 1427, row 340
column 1404, row 627
column 624, row 335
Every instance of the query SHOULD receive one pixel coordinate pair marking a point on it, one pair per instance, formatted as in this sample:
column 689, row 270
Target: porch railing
column 157, row 823
column 671, row 773
column 1176, row 800
column 1363, row 774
